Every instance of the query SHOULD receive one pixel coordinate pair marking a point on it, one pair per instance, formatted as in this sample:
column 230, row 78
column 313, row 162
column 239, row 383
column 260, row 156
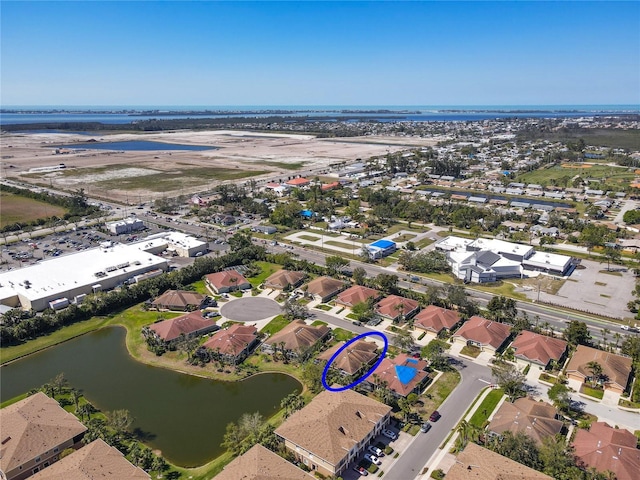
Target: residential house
column 616, row 369
column 190, row 325
column 533, row 348
column 482, row 333
column 357, row 294
column 333, row 430
column 179, row 300
column 395, row 307
column 478, row 463
column 296, row 339
column 436, row 319
column 285, row 280
column 608, row 449
column 402, row 375
column 95, row 460
column 538, row 420
column 260, row 463
column 35, row 431
column 325, row 288
column 226, row 281
column 298, row 182
column 235, row 343
column 353, row 358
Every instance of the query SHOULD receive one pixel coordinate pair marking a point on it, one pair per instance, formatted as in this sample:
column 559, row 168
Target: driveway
column 250, row 309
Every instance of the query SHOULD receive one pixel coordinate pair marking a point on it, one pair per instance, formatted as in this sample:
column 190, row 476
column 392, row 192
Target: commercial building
column 71, row 276
column 381, row 248
column 127, row 225
column 181, row 244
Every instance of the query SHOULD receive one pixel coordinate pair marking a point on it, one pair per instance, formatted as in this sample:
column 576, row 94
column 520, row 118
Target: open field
column 234, row 155
column 605, row 137
column 619, row 175
column 14, row 208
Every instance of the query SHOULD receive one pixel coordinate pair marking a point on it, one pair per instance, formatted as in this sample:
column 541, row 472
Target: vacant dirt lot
column 157, row 173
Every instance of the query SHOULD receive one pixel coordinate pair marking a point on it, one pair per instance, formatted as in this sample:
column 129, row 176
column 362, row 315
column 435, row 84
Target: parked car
column 390, row 434
column 435, row 416
column 357, row 323
column 375, row 450
column 426, row 426
column 361, row 470
column 372, row 458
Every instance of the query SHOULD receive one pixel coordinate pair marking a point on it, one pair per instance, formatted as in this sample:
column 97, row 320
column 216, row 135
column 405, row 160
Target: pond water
column 136, row 146
column 182, row 415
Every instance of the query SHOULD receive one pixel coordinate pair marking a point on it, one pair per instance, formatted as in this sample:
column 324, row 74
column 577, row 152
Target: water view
column 181, row 415
column 136, row 146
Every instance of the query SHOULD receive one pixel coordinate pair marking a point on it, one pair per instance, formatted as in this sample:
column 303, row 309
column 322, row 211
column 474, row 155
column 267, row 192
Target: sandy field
column 149, row 175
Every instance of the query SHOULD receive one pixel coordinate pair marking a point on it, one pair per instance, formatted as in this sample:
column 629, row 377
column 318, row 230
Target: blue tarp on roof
column 405, row 374
column 383, row 244
column 306, row 213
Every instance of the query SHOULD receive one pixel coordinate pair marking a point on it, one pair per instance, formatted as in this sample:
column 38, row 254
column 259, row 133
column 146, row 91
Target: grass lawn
column 470, row 351
column 267, row 270
column 438, row 392
column 592, row 392
column 545, row 377
column 309, row 238
column 341, row 334
column 616, row 175
column 348, row 246
column 423, row 243
column 405, row 237
column 319, row 323
column 486, row 408
column 503, row 288
column 15, row 208
column 200, row 287
column 324, row 307
column 275, row 325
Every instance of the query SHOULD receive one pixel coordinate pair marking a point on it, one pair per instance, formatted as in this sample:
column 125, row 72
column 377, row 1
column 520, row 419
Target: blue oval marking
column 366, row 375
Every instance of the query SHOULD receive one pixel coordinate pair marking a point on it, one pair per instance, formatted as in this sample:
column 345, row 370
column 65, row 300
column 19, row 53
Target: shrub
column 437, row 474
column 421, row 336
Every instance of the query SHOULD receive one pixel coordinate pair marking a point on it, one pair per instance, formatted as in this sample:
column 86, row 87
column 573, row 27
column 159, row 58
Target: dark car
column 435, row 416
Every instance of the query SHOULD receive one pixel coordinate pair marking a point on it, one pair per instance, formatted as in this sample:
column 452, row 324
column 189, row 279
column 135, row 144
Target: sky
column 199, row 53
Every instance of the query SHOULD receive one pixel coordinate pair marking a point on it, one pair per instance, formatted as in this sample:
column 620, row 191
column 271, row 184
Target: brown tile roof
column 325, row 286
column 536, row 419
column 402, row 374
column 284, row 278
column 298, row 336
column 616, row 367
column 478, row 463
column 33, row 426
column 483, row 331
column 224, row 279
column 388, row 307
column 435, row 318
column 233, row 340
column 605, row 448
column 179, row 299
column 96, row 460
column 260, row 463
column 538, row 348
column 357, row 294
column 189, row 323
column 332, row 423
column 352, row 358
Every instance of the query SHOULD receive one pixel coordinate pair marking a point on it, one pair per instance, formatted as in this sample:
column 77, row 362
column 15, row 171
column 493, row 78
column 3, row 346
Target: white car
column 390, row 434
column 372, row 458
column 375, row 450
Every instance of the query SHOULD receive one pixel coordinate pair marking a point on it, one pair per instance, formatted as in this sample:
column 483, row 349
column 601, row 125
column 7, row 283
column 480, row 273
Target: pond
column 181, row 415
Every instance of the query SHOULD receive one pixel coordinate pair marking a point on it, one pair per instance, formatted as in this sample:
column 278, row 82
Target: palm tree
column 75, row 397
column 596, row 372
column 467, row 431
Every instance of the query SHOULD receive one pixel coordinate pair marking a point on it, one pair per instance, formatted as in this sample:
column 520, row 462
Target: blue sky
column 319, row 53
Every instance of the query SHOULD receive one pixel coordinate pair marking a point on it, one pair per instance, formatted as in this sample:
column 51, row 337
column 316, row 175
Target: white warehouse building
column 127, row 225
column 75, row 275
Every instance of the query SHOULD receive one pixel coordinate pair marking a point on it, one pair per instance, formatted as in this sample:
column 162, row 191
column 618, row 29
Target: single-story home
column 296, row 339
column 402, row 375
column 260, row 463
column 235, row 343
column 533, row 348
column 179, row 300
column 357, row 294
column 394, row 306
column 190, row 325
column 538, row 420
column 285, row 279
column 353, row 358
column 616, row 369
column 325, row 288
column 482, row 333
column 226, row 281
column 436, row 319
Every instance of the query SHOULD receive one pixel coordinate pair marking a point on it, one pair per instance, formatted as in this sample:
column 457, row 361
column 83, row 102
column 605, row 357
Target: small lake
column 135, row 146
column 182, row 415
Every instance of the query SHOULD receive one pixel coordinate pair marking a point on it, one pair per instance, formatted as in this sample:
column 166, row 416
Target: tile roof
column 401, row 374
column 93, row 461
column 605, row 448
column 284, row 278
column 352, row 358
column 357, row 294
column 298, row 336
column 616, row 367
column 483, row 331
column 260, row 463
column 325, row 286
column 298, row 181
column 536, row 419
column 435, row 318
column 388, row 306
column 179, row 298
column 33, row 426
column 189, row 323
column 233, row 340
column 538, row 348
column 225, row 277
column 333, row 423
column 478, row 463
